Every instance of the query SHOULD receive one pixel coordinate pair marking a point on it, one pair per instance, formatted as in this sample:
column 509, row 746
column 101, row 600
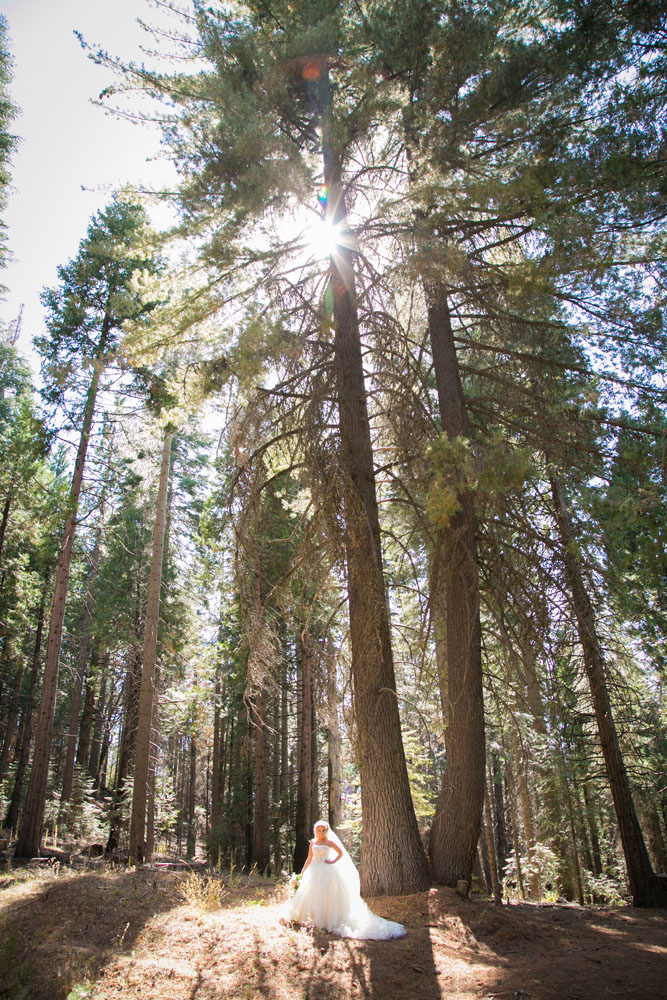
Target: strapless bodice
column 320, row 853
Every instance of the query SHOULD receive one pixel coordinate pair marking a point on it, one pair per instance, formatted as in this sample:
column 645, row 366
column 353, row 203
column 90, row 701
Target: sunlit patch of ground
column 158, row 936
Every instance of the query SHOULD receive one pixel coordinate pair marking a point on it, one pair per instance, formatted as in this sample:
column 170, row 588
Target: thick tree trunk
column 392, row 855
column 142, row 747
column 645, row 887
column 30, row 834
column 456, row 827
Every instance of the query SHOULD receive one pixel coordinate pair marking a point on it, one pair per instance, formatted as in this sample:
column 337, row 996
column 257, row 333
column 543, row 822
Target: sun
column 322, row 239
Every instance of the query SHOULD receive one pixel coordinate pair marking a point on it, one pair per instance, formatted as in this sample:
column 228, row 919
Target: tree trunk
column 152, row 778
column 83, row 744
column 305, row 751
column 11, row 731
column 499, row 807
column 99, row 724
column 491, row 847
column 456, row 827
column 392, row 856
column 142, row 748
column 4, row 521
column 30, row 835
column 260, row 847
column 89, row 609
column 593, row 830
column 12, row 817
column 191, row 840
column 125, row 757
column 334, row 762
column 527, row 816
column 646, row 889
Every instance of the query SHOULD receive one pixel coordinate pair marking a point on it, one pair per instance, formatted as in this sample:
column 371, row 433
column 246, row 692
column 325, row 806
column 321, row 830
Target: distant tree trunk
column 85, row 728
column 73, row 728
column 392, row 855
column 305, row 751
column 4, row 521
column 593, row 830
column 98, row 724
column 142, row 752
column 152, row 778
column 514, row 824
column 646, row 889
column 656, row 841
column 126, row 749
column 89, row 608
column 191, row 841
column 11, row 820
column 285, row 774
column 456, row 827
column 276, row 784
column 30, row 834
column 499, row 804
column 260, row 848
column 491, row 847
column 334, row 762
column 527, row 816
column 217, row 776
column 11, row 730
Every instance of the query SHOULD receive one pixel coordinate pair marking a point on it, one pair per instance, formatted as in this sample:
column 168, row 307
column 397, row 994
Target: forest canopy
column 347, row 496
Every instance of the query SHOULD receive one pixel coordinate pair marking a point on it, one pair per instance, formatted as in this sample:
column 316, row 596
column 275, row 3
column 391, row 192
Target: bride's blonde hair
column 321, row 822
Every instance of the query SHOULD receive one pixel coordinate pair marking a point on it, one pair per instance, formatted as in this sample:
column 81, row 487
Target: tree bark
column 305, row 751
column 456, row 827
column 334, row 762
column 261, row 855
column 142, row 747
column 645, row 887
column 4, row 521
column 30, row 834
column 12, row 817
column 11, row 729
column 88, row 612
column 191, row 840
column 392, row 856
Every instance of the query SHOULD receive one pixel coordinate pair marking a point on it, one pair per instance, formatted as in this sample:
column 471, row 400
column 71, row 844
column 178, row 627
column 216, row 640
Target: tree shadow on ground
column 59, row 927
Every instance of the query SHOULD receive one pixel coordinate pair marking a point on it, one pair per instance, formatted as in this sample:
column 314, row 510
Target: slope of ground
column 156, row 935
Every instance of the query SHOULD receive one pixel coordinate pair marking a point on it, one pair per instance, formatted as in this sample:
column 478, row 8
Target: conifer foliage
column 416, row 576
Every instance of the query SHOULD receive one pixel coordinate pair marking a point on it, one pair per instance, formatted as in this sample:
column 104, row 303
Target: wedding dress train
column 328, row 897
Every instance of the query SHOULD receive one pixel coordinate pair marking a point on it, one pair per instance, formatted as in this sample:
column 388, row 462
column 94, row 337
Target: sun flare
column 322, row 238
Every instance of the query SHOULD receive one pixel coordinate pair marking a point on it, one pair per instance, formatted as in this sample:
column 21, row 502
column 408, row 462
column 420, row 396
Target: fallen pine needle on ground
column 158, row 935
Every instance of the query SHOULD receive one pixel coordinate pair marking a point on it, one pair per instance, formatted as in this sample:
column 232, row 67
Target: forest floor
column 68, row 934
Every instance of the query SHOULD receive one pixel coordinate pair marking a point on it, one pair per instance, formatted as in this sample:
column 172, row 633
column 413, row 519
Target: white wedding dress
column 328, row 897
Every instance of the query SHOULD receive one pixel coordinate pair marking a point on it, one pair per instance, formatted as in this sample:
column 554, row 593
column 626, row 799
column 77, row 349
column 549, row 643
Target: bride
column 328, row 895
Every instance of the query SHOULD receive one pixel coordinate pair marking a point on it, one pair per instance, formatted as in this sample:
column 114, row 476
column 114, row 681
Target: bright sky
column 72, row 154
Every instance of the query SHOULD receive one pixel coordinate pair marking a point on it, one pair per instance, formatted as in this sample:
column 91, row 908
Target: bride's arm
column 339, row 853
column 309, row 858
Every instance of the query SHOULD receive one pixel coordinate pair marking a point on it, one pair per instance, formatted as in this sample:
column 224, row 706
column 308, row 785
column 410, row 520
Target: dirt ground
column 156, row 935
